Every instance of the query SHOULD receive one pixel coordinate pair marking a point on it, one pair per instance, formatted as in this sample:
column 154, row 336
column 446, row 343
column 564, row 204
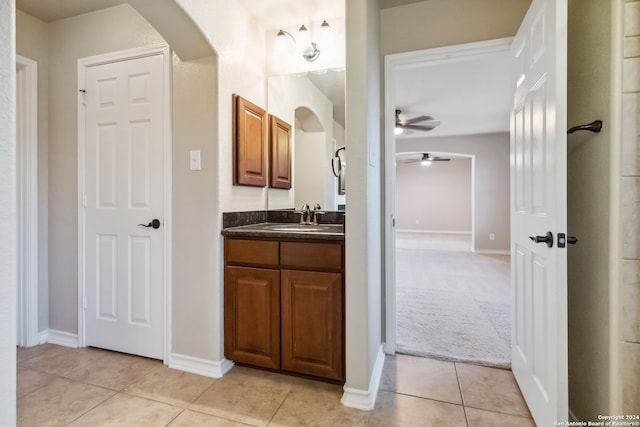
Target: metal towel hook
column 595, row 126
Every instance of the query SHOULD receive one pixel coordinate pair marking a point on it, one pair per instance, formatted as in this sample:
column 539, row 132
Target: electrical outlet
column 492, row 236
column 417, row 221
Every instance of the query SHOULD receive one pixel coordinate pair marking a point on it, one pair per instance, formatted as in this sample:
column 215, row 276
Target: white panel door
column 538, row 206
column 124, row 181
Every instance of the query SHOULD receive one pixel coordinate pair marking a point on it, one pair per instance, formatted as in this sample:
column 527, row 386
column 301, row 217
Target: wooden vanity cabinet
column 311, row 323
column 285, row 314
column 252, row 316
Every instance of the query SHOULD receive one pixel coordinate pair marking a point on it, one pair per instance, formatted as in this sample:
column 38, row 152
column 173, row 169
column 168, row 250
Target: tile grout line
column 91, row 409
column 174, row 418
column 422, row 397
column 279, row 406
column 464, row 407
column 500, row 412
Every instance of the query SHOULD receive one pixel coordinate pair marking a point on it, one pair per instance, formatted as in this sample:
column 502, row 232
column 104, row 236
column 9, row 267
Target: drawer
column 262, row 252
column 311, row 255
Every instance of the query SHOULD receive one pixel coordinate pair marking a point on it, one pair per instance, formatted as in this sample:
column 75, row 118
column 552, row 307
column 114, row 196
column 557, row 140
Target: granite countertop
column 287, row 230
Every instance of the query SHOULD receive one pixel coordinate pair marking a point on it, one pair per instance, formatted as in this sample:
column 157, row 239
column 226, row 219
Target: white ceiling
column 277, row 14
column 467, row 97
column 54, row 10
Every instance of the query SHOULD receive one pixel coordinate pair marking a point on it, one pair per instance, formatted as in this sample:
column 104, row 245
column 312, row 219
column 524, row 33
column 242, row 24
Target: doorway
column 489, row 146
column 124, row 149
column 27, row 181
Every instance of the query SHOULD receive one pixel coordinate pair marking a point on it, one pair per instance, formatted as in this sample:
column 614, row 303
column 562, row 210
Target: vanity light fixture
column 309, row 49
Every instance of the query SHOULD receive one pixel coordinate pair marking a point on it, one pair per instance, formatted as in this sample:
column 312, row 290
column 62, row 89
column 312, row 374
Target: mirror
column 313, row 104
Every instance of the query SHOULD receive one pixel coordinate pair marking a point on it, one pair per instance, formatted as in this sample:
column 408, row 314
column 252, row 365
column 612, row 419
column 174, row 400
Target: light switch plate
column 194, row 160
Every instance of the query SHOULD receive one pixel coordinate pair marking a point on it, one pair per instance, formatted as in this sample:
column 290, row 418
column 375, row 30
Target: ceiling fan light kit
column 427, row 159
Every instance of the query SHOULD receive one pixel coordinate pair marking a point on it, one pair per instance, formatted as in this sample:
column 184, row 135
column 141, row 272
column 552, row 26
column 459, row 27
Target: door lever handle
column 547, row 238
column 594, row 126
column 155, row 224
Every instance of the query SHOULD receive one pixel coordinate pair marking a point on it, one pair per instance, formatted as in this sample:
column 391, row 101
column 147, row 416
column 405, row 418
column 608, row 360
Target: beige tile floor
column 59, row 386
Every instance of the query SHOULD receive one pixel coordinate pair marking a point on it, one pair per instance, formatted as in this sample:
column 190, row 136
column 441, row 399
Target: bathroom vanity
column 284, row 298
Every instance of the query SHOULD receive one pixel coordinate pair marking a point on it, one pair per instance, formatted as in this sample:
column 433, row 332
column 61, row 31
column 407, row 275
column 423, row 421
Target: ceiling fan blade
column 419, row 127
column 439, row 159
column 417, row 120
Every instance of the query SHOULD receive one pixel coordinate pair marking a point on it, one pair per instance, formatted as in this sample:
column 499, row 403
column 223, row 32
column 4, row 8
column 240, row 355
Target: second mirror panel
column 314, row 103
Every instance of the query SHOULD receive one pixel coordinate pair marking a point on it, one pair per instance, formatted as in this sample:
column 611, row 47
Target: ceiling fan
column 404, row 124
column 427, row 159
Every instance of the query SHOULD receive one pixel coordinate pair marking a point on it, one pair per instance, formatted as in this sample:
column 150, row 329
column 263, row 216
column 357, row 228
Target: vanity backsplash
column 236, row 219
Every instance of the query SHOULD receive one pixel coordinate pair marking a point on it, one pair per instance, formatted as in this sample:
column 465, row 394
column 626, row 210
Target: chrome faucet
column 305, row 214
column 316, row 211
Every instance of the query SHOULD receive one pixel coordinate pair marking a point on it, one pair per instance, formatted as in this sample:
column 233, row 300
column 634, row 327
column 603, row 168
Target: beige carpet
column 452, row 304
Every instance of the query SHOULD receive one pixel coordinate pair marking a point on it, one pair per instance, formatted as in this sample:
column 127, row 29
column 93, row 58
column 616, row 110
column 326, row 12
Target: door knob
column 547, row 238
column 155, row 224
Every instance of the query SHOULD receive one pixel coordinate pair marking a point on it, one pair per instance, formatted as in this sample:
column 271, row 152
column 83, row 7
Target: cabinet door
column 280, row 153
column 312, row 323
column 250, row 148
column 252, row 316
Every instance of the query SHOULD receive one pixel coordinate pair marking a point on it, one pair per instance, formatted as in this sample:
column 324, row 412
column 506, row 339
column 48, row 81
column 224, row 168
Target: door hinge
column 84, row 200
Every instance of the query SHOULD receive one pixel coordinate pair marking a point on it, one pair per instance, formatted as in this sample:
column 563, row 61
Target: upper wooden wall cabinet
column 280, row 153
column 250, row 143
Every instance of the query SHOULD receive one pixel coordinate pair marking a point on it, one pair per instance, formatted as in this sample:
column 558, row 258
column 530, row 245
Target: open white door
column 539, row 208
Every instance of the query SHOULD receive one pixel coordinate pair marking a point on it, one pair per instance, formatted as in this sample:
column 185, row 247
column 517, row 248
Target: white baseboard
column 433, row 231
column 60, row 338
column 42, row 336
column 365, row 399
column 196, row 365
column 492, row 252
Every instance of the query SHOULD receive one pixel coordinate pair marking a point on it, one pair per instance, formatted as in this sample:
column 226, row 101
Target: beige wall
column 630, row 188
column 491, row 181
column 8, row 210
column 32, row 41
column 238, row 41
column 363, row 187
column 588, row 200
column 436, row 197
column 69, row 40
column 195, row 237
column 437, row 23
